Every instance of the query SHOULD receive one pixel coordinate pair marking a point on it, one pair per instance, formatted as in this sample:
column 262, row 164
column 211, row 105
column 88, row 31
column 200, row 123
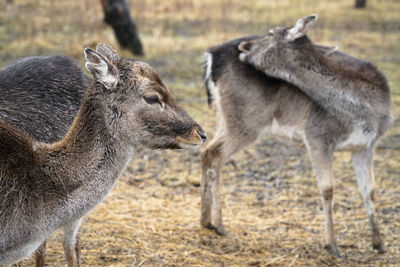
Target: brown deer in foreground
column 326, row 103
column 41, row 96
column 49, row 186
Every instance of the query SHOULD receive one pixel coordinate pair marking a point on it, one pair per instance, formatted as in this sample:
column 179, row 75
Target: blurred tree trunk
column 116, row 13
column 360, row 3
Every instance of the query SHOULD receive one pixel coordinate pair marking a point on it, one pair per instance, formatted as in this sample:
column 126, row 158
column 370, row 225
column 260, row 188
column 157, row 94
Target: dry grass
column 272, row 206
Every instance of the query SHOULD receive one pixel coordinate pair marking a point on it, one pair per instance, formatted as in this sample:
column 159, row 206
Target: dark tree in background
column 116, row 13
column 360, row 3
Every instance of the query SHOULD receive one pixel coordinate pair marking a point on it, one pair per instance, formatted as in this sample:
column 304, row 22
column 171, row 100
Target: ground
column 272, row 208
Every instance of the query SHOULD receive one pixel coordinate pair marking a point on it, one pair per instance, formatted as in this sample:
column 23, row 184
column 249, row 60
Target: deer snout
column 196, row 138
column 198, row 135
column 242, row 57
column 202, row 134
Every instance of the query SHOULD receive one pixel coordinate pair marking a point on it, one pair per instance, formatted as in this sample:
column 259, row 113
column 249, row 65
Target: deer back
column 41, row 95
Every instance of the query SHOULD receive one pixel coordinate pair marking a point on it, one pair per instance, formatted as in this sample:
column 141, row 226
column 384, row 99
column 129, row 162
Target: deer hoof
column 333, row 250
column 379, row 247
column 220, row 229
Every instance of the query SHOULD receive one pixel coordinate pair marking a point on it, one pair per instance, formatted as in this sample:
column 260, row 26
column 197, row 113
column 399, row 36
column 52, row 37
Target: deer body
column 249, row 104
column 48, row 186
column 48, row 199
column 42, row 95
column 357, row 94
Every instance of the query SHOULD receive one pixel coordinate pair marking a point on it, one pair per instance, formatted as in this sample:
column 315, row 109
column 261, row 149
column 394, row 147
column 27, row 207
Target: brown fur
column 39, row 255
column 73, row 254
column 48, row 186
column 372, row 195
column 327, row 193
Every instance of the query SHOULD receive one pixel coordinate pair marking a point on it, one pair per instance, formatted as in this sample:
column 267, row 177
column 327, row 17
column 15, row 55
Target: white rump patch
column 210, row 83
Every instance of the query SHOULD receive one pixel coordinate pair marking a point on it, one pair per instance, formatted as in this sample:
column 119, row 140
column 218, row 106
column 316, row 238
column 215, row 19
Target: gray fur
column 345, row 106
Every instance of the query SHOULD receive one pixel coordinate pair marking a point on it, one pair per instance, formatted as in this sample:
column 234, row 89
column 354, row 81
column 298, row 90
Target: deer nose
column 202, row 135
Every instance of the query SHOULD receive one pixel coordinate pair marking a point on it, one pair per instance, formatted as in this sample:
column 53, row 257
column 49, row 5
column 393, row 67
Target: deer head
column 278, row 48
column 140, row 109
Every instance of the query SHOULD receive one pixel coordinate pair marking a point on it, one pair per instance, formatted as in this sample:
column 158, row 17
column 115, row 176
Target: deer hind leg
column 71, row 243
column 39, row 255
column 213, row 157
column 322, row 165
column 364, row 169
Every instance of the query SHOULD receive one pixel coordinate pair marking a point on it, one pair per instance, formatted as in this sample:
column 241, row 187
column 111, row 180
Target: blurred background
column 271, row 205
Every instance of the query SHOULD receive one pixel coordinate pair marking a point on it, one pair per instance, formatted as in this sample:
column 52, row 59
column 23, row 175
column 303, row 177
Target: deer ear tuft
column 301, row 27
column 101, row 68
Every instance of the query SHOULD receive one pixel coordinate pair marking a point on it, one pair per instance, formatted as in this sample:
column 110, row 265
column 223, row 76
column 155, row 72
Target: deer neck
column 336, row 89
column 91, row 159
column 314, row 71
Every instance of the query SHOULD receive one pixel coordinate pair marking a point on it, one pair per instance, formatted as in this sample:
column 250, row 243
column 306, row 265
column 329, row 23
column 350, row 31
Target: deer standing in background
column 326, row 103
column 49, row 186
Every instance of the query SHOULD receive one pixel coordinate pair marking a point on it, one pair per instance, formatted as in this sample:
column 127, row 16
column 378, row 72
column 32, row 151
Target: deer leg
column 364, row 169
column 71, row 243
column 211, row 216
column 39, row 255
column 212, row 159
column 322, row 166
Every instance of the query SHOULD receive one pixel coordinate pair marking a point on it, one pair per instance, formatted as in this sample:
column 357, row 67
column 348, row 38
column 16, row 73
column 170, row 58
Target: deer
column 41, row 96
column 283, row 85
column 47, row 186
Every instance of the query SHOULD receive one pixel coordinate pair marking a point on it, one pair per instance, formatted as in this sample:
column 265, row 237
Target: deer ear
column 101, row 68
column 244, row 47
column 301, row 27
column 107, row 51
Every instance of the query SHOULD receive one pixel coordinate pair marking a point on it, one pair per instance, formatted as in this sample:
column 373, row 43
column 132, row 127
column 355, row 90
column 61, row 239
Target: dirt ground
column 271, row 204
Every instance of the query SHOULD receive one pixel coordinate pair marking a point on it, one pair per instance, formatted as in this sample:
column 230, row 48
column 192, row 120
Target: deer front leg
column 71, row 243
column 364, row 169
column 225, row 143
column 211, row 216
column 39, row 255
column 322, row 166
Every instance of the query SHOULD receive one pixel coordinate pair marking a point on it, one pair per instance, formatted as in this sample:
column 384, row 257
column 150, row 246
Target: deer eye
column 152, row 99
